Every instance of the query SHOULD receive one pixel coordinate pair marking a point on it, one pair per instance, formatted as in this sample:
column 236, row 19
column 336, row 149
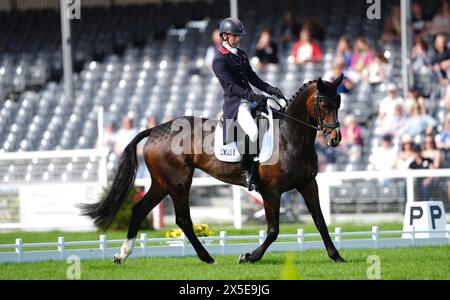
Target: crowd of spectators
column 419, row 120
column 399, row 119
column 414, row 122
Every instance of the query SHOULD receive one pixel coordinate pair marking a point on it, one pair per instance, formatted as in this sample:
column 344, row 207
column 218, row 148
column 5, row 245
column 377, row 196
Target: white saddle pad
column 230, row 153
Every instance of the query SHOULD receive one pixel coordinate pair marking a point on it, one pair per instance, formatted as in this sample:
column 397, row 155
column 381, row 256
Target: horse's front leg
column 311, row 195
column 272, row 210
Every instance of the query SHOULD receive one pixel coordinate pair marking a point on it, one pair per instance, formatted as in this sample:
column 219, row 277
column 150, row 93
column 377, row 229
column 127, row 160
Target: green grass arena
column 414, row 263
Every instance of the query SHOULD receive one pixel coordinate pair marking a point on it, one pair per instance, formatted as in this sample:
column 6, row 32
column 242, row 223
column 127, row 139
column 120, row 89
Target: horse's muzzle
column 334, row 142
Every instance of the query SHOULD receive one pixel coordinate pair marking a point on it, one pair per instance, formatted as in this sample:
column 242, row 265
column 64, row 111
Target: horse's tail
column 104, row 211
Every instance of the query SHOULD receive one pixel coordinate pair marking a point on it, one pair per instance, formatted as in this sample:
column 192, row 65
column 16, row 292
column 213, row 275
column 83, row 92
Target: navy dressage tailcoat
column 235, row 73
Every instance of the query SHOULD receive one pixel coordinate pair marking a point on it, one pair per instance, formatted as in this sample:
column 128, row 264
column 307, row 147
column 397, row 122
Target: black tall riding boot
column 249, row 178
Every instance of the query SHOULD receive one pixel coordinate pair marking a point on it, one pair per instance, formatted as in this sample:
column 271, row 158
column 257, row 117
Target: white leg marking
column 125, row 251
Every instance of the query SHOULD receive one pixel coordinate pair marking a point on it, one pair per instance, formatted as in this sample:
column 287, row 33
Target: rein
column 295, row 119
column 322, row 125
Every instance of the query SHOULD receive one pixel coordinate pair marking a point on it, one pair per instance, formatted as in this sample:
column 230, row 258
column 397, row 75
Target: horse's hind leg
column 180, row 197
column 311, row 194
column 138, row 213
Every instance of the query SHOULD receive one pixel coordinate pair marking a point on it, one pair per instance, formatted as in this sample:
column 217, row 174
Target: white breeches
column 245, row 120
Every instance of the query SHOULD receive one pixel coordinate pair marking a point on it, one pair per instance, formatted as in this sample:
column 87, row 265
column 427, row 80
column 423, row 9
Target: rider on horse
column 232, row 68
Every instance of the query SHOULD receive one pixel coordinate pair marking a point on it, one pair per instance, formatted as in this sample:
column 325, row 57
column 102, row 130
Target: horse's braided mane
column 301, row 89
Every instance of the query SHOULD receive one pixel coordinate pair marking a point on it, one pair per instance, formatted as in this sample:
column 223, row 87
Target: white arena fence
column 220, row 245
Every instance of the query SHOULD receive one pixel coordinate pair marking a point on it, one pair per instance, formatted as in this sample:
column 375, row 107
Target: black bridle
column 335, row 102
column 325, row 128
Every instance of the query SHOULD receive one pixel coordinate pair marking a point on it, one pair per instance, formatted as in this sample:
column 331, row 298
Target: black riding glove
column 276, row 92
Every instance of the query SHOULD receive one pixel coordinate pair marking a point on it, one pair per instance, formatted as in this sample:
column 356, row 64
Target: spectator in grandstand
column 212, row 49
column 406, row 154
column 418, row 122
column 352, row 141
column 361, row 59
column 385, row 157
column 419, row 162
column 443, row 143
column 316, row 30
column 266, row 50
column 378, row 71
column 447, row 98
column 412, row 99
column 152, row 121
column 391, row 124
column 338, row 68
column 344, row 50
column 305, row 49
column 440, row 23
column 109, row 137
column 387, row 104
column 430, row 151
column 440, row 59
column 392, row 26
column 124, row 135
column 289, row 30
column 419, row 18
column 443, row 138
column 419, row 55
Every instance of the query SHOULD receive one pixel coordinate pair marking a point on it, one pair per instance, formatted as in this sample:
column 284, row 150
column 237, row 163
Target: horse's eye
column 325, row 105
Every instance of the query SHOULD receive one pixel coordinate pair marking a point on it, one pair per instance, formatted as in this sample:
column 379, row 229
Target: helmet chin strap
column 226, row 40
column 228, row 43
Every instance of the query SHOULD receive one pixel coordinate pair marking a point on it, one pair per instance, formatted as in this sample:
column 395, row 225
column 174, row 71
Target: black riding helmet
column 232, row 26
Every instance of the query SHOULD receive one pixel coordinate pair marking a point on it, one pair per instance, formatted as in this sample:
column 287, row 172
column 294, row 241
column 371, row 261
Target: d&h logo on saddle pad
column 267, row 142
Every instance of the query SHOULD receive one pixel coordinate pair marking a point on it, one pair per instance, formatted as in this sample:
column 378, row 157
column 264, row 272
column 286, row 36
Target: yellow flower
column 199, row 230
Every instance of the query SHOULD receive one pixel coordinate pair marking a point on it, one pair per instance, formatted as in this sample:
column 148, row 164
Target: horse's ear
column 338, row 80
column 320, row 84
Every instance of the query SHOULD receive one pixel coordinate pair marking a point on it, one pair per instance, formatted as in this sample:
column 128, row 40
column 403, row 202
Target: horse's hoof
column 116, row 259
column 244, row 258
column 339, row 260
column 210, row 261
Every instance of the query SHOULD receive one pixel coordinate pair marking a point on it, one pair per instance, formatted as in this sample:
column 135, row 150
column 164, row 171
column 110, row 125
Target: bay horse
column 313, row 107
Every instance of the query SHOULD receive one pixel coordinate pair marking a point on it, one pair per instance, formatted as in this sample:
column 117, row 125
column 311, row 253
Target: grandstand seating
column 138, row 81
column 142, row 60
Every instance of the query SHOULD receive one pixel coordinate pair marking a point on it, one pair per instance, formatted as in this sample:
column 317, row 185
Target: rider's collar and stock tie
column 229, row 48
